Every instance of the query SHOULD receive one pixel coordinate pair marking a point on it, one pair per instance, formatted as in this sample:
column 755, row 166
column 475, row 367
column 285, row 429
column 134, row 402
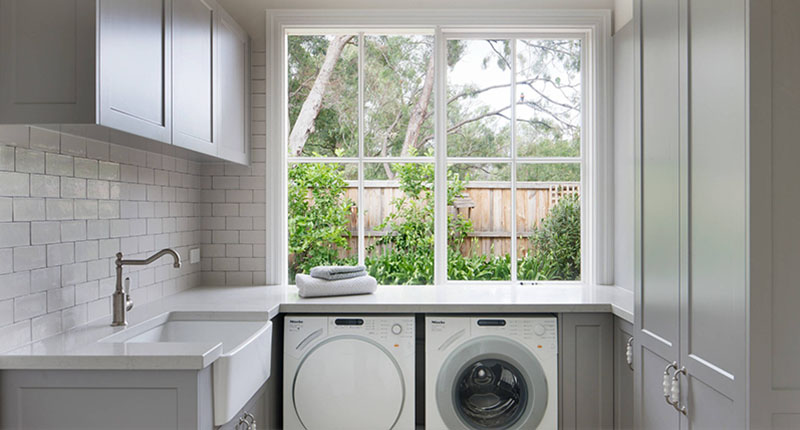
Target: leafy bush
column 557, row 240
column 319, row 215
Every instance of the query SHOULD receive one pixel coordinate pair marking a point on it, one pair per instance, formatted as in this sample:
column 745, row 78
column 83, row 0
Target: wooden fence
column 486, row 204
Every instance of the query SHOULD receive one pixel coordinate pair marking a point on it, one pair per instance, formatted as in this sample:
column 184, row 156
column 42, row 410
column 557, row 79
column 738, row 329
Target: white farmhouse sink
column 246, row 339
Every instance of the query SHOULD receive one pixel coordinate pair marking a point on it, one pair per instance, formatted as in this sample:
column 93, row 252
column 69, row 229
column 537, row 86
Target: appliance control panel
column 538, row 332
column 303, row 332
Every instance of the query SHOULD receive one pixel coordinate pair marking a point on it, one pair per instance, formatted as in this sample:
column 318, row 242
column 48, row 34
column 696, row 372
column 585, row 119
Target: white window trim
column 597, row 247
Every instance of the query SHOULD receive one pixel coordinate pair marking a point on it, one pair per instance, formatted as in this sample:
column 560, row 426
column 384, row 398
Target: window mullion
column 513, row 160
column 440, row 168
column 359, row 210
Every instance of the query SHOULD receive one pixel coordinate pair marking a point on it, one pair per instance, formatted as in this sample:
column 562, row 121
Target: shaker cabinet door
column 656, row 329
column 194, row 75
column 134, row 42
column 234, row 94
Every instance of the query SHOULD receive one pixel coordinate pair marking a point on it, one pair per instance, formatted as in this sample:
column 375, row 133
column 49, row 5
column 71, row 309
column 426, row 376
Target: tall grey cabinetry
column 692, row 259
column 173, row 71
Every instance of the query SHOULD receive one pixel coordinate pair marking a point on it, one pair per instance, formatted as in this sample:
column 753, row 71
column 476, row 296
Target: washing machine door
column 348, row 382
column 491, row 382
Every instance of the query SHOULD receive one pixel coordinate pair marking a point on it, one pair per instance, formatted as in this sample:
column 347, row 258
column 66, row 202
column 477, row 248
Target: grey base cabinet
column 118, row 399
column 586, row 371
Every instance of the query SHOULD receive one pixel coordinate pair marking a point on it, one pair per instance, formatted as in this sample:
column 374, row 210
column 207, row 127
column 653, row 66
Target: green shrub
column 557, row 240
column 319, row 215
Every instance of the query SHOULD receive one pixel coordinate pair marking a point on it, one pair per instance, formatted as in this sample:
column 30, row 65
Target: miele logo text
column 296, row 321
column 437, row 322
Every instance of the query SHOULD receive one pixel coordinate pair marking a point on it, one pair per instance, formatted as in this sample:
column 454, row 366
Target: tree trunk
column 419, row 113
column 304, row 125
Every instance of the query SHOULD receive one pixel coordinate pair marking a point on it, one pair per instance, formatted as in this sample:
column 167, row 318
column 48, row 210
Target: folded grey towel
column 313, row 287
column 332, row 273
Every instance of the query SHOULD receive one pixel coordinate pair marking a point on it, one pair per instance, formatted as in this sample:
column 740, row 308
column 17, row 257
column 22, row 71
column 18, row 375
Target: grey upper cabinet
column 173, row 71
column 195, row 75
column 234, row 93
column 134, row 66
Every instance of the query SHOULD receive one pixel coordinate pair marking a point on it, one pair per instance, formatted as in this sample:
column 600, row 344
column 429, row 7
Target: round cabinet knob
column 397, row 329
column 538, row 329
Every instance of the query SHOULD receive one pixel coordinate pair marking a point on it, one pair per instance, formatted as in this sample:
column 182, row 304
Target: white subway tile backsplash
column 73, row 145
column 46, row 325
column 45, row 186
column 97, row 229
column 56, row 164
column 96, row 189
column 86, row 209
column 72, row 274
column 73, row 188
column 7, row 158
column 32, row 305
column 86, row 168
column 59, row 209
column 15, row 234
column 45, row 232
column 86, row 250
column 109, row 171
column 61, row 253
column 15, row 335
column 29, row 257
column 60, row 298
column 14, row 184
column 6, row 260
column 29, row 161
column 45, row 140
column 6, row 211
column 29, row 209
column 96, row 150
column 15, row 284
column 46, row 278
column 73, row 230
column 108, row 209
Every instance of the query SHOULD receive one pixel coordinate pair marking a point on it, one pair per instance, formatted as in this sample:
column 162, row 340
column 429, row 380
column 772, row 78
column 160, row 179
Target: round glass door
column 490, row 394
column 349, row 383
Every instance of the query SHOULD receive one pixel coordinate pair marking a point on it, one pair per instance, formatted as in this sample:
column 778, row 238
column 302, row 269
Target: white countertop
column 79, row 348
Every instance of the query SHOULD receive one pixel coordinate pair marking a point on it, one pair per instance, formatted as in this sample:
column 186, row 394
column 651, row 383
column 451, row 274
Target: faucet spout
column 121, row 299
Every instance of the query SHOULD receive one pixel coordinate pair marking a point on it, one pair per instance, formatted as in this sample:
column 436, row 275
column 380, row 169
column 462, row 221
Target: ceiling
column 251, row 13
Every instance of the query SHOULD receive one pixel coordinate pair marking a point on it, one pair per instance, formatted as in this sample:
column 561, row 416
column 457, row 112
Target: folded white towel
column 313, row 287
column 332, row 273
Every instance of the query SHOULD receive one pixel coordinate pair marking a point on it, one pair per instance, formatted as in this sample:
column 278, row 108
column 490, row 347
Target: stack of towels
column 335, row 281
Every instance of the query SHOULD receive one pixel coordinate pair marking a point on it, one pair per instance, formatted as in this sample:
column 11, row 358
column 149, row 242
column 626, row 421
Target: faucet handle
column 127, row 286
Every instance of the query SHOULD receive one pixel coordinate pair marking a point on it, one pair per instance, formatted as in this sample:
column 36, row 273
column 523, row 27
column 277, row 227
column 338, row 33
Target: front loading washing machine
column 348, row 372
column 491, row 372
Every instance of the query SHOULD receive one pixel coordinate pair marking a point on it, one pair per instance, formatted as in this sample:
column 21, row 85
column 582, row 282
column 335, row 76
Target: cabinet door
column 134, row 39
column 713, row 324
column 587, row 371
column 194, row 75
column 47, row 76
column 623, row 376
column 658, row 268
column 234, row 91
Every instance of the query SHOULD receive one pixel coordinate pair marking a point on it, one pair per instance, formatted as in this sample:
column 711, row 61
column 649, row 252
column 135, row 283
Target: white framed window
column 442, row 163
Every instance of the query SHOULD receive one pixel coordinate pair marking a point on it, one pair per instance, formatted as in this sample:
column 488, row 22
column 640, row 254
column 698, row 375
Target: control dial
column 538, row 329
column 397, row 329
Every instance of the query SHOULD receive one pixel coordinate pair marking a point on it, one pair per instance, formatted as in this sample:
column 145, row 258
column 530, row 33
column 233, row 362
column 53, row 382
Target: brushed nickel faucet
column 121, row 299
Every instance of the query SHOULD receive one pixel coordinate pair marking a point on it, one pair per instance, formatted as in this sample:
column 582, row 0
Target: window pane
column 479, row 222
column 548, row 222
column 323, row 95
column 398, row 95
column 549, row 98
column 478, row 98
column 398, row 218
column 322, row 216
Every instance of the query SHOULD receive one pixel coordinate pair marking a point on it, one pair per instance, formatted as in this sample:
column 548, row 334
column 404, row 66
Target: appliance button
column 538, row 329
column 397, row 329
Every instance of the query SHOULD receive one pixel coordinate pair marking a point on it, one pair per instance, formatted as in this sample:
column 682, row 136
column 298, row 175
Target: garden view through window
column 362, row 155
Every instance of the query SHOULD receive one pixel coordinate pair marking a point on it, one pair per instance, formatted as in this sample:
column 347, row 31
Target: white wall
column 623, row 13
